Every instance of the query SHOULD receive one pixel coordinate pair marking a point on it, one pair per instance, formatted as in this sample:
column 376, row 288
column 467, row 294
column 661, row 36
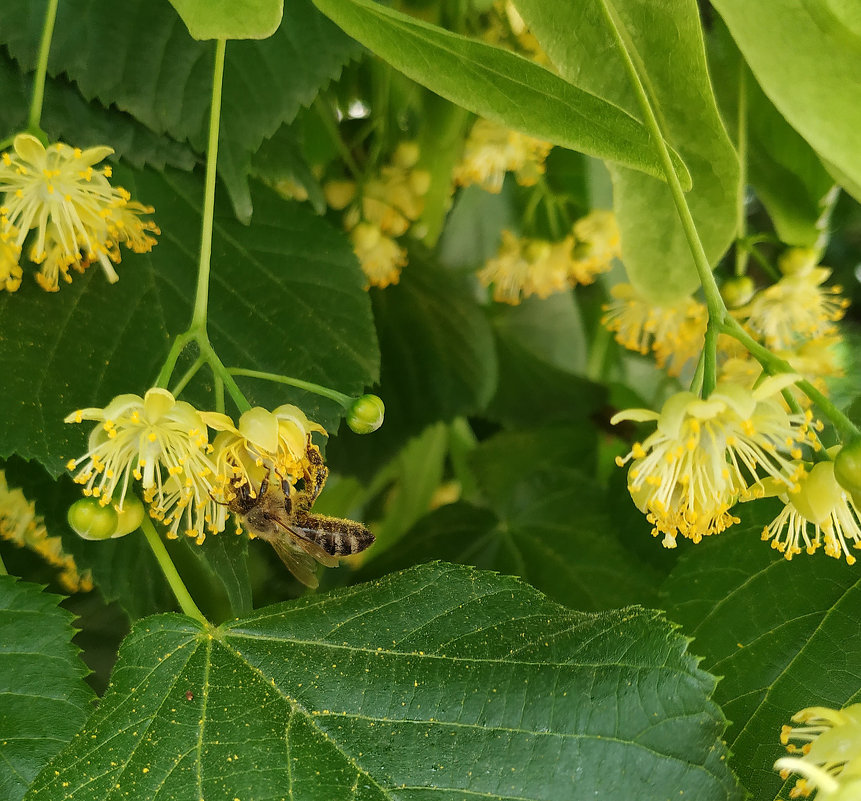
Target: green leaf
column 784, row 636
column 532, row 480
column 437, row 361
column 787, row 175
column 402, row 689
column 586, row 46
column 228, row 19
column 155, row 71
column 286, row 297
column 68, row 117
column 822, row 74
column 45, row 697
column 499, row 85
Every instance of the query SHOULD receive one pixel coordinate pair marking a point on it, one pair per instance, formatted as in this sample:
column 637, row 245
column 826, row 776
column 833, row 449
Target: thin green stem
column 331, row 126
column 219, row 393
column 714, row 302
column 598, row 353
column 3, row 571
column 741, row 253
column 186, row 603
column 774, row 365
column 697, row 381
column 173, row 355
column 345, row 400
column 766, row 265
column 710, row 360
column 189, row 374
column 218, row 368
column 34, row 120
column 201, row 298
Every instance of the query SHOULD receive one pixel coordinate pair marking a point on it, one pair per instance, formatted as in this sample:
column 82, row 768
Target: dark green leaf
column 499, row 85
column 140, row 58
column 437, row 361
column 784, row 636
column 403, row 689
column 286, row 296
column 665, row 43
column 68, row 117
column 45, row 698
column 227, row 19
column 807, row 58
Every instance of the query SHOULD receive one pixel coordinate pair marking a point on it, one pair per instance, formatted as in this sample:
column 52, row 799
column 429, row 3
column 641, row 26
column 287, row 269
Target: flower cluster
column 526, row 267
column 674, row 332
column 20, row 524
column 76, row 215
column 381, row 210
column 829, row 757
column 185, row 479
column 491, row 150
column 707, row 454
column 506, row 28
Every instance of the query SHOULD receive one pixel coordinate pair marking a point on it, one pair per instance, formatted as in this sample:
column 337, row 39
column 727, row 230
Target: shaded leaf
column 45, row 697
column 784, row 636
column 822, row 75
column 585, row 41
column 400, row 689
column 227, row 19
column 156, row 72
column 286, row 296
column 499, row 85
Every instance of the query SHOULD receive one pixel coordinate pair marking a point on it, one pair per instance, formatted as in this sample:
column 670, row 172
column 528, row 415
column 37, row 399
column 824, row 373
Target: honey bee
column 282, row 516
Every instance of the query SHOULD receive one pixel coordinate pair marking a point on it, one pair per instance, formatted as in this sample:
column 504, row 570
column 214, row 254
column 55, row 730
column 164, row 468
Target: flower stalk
column 34, row 119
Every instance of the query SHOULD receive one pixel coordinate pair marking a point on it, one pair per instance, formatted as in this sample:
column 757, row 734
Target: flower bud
column 797, row 261
column 366, row 414
column 92, row 521
column 737, row 291
column 847, row 467
column 130, row 517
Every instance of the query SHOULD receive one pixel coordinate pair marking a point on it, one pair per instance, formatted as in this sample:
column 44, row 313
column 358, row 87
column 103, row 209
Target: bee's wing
column 300, row 540
column 300, row 564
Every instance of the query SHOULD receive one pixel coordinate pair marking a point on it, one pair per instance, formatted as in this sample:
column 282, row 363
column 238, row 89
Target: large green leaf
column 787, row 175
column 286, row 296
column 585, row 40
column 807, row 58
column 441, row 682
column 437, row 361
column 784, row 636
column 227, row 19
column 68, row 117
column 140, row 58
column 499, row 85
column 45, row 699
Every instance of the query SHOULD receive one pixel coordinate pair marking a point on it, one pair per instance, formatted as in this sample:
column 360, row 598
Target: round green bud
column 92, row 521
column 130, row 517
column 737, row 291
column 847, row 467
column 366, row 414
column 797, row 261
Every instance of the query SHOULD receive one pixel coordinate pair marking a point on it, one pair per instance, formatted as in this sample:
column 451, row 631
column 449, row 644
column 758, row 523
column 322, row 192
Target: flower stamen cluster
column 77, row 217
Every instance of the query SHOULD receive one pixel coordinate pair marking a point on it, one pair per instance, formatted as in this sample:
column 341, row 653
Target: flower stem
column 741, row 253
column 345, row 400
column 714, row 302
column 189, row 374
column 173, row 355
column 218, row 368
column 201, row 299
column 35, row 118
column 186, row 603
column 774, row 364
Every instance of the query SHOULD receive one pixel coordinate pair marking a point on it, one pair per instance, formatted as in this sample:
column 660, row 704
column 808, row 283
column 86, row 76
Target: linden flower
column 598, row 243
column 76, row 214
column 10, row 270
column 821, row 513
column 675, row 332
column 159, row 441
column 705, row 453
column 525, row 267
column 380, row 257
column 264, row 441
column 794, row 309
column 829, row 761
column 491, row 150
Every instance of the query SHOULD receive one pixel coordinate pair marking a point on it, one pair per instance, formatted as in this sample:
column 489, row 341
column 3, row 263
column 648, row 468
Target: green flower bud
column 847, row 467
column 737, row 291
column 366, row 414
column 130, row 517
column 798, row 261
column 92, row 521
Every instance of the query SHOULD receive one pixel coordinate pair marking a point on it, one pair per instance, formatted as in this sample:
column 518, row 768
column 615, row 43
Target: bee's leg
column 316, row 474
column 245, row 501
